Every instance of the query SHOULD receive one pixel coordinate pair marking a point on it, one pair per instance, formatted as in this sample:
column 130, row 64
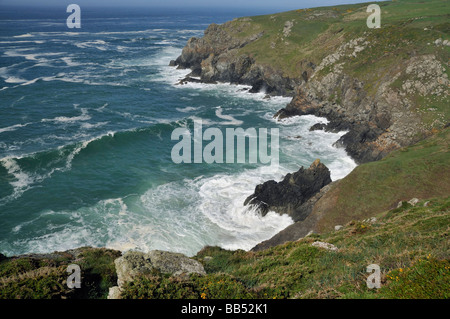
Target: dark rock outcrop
column 366, row 123
column 291, row 195
column 299, row 229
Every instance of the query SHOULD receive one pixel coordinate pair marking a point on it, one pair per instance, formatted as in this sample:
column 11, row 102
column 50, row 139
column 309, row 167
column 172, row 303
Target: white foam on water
column 187, row 109
column 26, row 35
column 314, row 144
column 185, row 216
column 70, row 62
column 22, row 181
column 96, row 44
column 31, row 56
column 13, row 127
column 13, row 79
column 57, row 237
column 222, row 201
column 231, row 120
column 64, row 119
column 173, row 221
column 89, row 126
column 76, row 151
column 109, row 223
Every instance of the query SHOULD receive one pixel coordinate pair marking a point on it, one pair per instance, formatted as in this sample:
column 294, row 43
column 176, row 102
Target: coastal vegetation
column 389, row 88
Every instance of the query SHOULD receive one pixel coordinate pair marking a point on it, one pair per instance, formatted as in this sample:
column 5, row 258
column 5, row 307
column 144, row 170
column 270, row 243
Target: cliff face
column 217, row 57
column 378, row 122
column 387, row 87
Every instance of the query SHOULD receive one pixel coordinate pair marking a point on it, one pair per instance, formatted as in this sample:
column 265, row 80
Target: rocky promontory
column 291, row 195
column 216, row 57
column 386, row 91
column 386, row 88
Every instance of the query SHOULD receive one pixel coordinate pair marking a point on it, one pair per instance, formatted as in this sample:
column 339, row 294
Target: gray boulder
column 133, row 264
column 130, row 265
column 175, row 264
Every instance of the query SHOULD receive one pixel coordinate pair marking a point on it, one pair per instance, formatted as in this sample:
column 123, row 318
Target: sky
column 231, row 4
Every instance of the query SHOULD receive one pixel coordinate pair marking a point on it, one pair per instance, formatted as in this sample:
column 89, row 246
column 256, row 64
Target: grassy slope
column 410, row 244
column 45, row 278
column 314, row 37
column 318, row 32
column 421, row 171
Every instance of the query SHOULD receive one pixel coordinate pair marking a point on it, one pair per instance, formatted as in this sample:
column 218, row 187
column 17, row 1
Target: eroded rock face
column 216, row 58
column 291, row 195
column 380, row 117
column 377, row 123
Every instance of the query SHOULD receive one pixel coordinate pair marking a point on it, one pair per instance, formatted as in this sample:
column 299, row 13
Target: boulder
column 327, row 246
column 291, row 194
column 114, row 293
column 133, row 264
column 175, row 264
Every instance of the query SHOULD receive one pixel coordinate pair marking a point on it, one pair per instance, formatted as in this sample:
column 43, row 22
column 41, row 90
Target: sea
column 86, row 122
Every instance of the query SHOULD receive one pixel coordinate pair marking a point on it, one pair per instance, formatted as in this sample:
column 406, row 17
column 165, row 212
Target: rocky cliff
column 388, row 88
column 217, row 57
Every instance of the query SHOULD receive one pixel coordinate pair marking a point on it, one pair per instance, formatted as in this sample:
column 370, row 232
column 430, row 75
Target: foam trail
column 222, row 198
column 64, row 119
column 13, row 127
column 231, row 120
column 26, row 35
column 13, row 79
column 187, row 109
column 22, row 180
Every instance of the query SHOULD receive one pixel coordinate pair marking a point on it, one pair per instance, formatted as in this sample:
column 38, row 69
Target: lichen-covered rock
column 174, row 263
column 324, row 245
column 134, row 263
column 130, row 265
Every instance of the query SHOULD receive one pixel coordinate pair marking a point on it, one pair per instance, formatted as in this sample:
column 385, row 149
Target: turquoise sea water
column 86, row 117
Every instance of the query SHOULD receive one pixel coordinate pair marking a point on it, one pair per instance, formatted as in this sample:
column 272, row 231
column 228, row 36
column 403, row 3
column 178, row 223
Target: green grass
column 319, row 32
column 420, row 171
column 46, row 278
column 410, row 244
column 408, row 237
